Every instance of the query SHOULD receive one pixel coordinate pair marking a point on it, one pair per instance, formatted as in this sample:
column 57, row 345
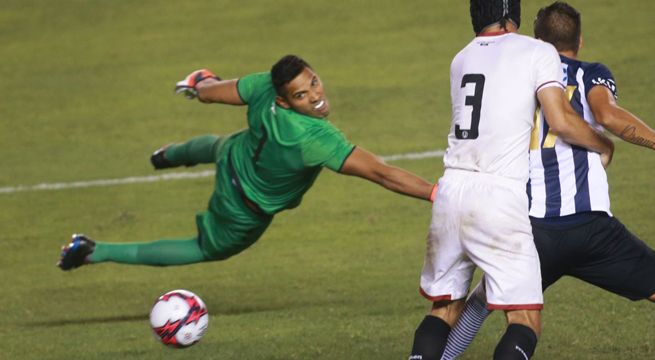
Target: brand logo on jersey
column 273, row 108
column 608, row 83
column 565, row 73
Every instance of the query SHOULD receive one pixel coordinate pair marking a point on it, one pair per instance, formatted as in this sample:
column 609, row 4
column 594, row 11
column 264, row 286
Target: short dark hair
column 285, row 70
column 559, row 24
column 487, row 12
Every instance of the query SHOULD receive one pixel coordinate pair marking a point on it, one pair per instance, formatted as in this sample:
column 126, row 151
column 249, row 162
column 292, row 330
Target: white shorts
column 482, row 220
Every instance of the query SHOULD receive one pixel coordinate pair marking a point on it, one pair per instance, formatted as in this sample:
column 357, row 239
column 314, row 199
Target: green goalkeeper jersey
column 280, row 155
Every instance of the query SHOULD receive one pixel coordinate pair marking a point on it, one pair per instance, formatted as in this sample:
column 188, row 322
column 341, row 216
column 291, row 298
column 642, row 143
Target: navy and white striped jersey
column 567, row 179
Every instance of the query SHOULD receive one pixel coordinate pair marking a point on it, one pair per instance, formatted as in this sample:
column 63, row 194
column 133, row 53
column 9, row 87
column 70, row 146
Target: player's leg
column 446, row 274
column 552, row 247
column 220, row 235
column 557, row 252
column 216, row 241
column 82, row 250
column 199, row 150
column 154, row 253
column 614, row 259
column 473, row 315
column 520, row 339
column 522, row 301
column 501, row 244
column 432, row 334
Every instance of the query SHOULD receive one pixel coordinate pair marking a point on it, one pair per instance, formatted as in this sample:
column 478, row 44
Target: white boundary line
column 174, row 176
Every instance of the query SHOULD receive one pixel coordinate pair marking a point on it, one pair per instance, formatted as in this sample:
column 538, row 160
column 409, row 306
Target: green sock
column 199, row 150
column 155, row 253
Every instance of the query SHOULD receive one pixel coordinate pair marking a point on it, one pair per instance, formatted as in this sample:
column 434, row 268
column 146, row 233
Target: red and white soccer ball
column 179, row 318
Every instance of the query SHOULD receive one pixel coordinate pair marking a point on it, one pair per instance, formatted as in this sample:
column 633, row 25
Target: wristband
column 433, row 193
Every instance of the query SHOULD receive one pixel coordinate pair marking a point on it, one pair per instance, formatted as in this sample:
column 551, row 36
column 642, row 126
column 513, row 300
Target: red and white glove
column 188, row 85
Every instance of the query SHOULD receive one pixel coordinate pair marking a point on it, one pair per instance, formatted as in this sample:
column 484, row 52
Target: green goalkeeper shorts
column 229, row 226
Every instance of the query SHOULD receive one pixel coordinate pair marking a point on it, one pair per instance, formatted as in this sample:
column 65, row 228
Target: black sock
column 430, row 339
column 518, row 343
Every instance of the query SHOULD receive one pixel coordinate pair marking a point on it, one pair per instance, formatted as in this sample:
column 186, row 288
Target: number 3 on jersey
column 475, row 101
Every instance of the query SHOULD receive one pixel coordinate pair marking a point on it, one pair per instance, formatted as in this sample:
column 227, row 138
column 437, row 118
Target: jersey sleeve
column 251, row 87
column 547, row 66
column 599, row 74
column 327, row 147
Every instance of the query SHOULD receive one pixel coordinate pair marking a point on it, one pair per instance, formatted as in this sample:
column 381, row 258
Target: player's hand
column 606, row 158
column 188, row 85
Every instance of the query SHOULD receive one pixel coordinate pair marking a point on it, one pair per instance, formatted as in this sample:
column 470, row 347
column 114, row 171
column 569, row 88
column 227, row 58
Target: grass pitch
column 87, row 95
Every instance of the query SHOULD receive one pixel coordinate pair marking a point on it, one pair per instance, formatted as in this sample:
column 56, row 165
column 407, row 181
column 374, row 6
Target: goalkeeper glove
column 188, row 85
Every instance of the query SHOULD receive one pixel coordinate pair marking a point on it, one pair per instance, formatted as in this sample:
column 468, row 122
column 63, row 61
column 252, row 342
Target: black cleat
column 74, row 254
column 159, row 161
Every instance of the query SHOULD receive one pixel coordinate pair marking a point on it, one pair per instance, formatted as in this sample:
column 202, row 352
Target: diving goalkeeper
column 260, row 171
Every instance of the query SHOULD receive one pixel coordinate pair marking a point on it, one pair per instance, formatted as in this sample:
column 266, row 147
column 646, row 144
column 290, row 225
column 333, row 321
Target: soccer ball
column 179, row 318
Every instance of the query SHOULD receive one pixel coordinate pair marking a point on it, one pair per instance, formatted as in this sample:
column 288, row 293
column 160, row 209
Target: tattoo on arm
column 628, row 134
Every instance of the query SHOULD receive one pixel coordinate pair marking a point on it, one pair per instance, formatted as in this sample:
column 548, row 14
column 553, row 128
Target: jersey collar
column 493, row 33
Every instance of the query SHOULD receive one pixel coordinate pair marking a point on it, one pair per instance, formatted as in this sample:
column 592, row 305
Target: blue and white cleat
column 74, row 254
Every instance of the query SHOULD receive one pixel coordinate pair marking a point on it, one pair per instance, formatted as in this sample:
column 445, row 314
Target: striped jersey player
column 564, row 178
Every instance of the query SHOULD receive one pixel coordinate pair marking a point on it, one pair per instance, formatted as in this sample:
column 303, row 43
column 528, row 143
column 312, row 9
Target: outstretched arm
column 570, row 127
column 366, row 165
column 617, row 120
column 219, row 91
column 209, row 88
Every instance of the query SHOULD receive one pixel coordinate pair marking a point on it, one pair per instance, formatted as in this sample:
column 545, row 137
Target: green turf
column 87, row 94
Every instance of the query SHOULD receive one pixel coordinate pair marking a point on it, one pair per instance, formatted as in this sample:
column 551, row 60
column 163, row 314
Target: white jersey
column 493, row 85
column 567, row 179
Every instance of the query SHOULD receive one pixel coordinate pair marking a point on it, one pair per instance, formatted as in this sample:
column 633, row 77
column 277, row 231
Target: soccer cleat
column 159, row 161
column 74, row 254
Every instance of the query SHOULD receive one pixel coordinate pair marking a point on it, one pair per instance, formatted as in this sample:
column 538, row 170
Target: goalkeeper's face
column 305, row 94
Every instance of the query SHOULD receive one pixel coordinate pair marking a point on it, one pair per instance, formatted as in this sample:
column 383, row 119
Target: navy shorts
column 600, row 251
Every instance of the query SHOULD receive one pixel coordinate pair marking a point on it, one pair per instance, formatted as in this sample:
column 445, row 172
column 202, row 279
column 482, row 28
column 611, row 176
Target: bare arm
column 366, row 165
column 570, row 127
column 219, row 91
column 617, row 120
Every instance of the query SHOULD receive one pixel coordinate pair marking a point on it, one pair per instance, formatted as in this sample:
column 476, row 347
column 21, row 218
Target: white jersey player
column 493, row 83
column 574, row 231
column 480, row 214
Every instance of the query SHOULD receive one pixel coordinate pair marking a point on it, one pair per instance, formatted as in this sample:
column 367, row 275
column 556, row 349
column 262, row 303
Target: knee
column 218, row 255
column 449, row 311
column 652, row 298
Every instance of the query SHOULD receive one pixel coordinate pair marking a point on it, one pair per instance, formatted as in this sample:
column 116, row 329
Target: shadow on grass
column 244, row 309
column 86, row 320
column 241, row 309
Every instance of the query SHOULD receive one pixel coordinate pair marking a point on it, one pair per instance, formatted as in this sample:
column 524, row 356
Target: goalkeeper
column 260, row 171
